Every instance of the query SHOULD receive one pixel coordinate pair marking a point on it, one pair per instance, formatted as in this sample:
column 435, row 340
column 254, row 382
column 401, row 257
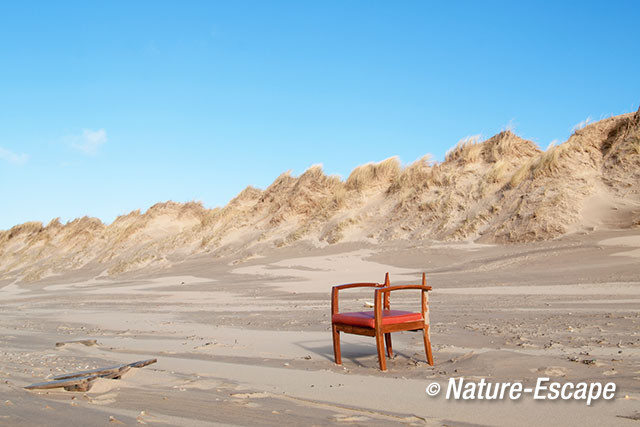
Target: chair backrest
column 425, row 299
column 387, row 283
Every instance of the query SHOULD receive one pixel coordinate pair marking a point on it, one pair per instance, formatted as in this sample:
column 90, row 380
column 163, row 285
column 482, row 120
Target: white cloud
column 11, row 157
column 582, row 124
column 89, row 141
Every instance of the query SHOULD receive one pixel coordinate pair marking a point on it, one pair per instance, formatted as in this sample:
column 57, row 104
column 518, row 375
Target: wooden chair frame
column 381, row 294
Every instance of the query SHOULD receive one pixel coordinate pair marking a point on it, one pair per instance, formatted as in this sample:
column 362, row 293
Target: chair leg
column 336, row 345
column 387, row 338
column 380, row 346
column 427, row 344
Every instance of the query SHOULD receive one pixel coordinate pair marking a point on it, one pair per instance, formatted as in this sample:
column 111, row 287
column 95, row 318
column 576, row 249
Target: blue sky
column 106, row 107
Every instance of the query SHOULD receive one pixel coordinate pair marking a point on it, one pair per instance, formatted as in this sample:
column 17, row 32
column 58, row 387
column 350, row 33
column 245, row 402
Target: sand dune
column 502, row 190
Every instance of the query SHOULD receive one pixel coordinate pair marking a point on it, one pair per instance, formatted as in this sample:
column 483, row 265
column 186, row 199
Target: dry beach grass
column 501, row 190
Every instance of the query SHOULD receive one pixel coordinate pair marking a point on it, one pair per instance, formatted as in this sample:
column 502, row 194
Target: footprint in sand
column 553, row 371
column 349, row 419
column 256, row 395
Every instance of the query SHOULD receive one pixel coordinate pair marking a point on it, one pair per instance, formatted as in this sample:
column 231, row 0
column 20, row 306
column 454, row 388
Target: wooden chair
column 382, row 320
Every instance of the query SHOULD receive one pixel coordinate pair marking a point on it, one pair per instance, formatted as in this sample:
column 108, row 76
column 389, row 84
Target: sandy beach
column 248, row 342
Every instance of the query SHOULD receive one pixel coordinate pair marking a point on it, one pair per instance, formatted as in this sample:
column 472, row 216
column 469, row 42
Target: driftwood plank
column 91, row 372
column 106, row 371
column 142, row 363
column 84, row 385
column 83, row 381
column 61, row 383
column 120, row 373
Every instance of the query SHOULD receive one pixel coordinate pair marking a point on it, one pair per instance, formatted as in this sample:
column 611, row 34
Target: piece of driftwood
column 88, row 343
column 84, row 385
column 101, row 372
column 142, row 363
column 83, row 381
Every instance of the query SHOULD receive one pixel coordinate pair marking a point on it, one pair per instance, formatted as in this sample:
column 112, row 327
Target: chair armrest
column 357, row 285
column 401, row 287
column 337, row 288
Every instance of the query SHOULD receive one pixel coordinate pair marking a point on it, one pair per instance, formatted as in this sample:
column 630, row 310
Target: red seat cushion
column 366, row 318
